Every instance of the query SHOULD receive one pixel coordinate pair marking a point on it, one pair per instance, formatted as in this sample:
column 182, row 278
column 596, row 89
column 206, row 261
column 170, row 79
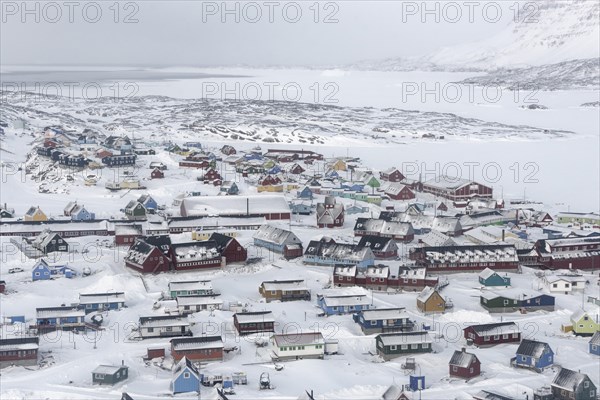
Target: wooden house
column 35, row 214
column 254, row 322
column 344, row 275
column 382, row 247
column 288, row 290
column 230, row 188
column 392, row 175
column 330, row 214
column 158, row 165
column 464, row 365
column 164, row 326
column 584, row 324
column 533, row 355
column 109, row 374
column 339, row 165
column 399, row 231
column 393, row 345
column 568, row 253
column 564, row 283
column 196, row 255
column 493, row 333
column 92, row 302
column 60, row 318
column 278, row 240
column 296, row 169
column 571, row 385
column 78, row 212
column 228, row 150
column 336, row 304
column 119, row 160
column 190, row 288
column 412, row 278
column 20, row 351
column 466, row 258
column 49, row 242
column 382, row 320
column 134, row 210
column 594, row 344
column 198, row 349
column 298, row 345
column 127, row 234
column 147, row 258
column 374, row 277
column 157, row 174
column 186, row 377
column 430, row 301
column 511, row 300
column 195, row 303
column 398, row 191
column 2, row 286
column 211, row 175
column 456, row 189
column 328, row 252
column 305, row 193
column 489, row 277
column 229, row 248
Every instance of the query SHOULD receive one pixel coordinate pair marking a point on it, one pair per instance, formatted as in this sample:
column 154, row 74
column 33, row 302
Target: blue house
column 538, row 302
column 41, row 271
column 196, row 145
column 353, row 187
column 185, row 377
column 333, row 304
column 595, row 344
column 301, row 208
column 533, row 355
column 253, row 156
column 148, row 202
column 101, row 301
column 305, row 193
column 489, row 277
column 65, row 318
column 383, row 320
column 79, row 213
column 275, row 170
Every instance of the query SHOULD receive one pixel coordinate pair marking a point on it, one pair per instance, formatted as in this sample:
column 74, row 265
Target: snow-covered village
column 167, row 245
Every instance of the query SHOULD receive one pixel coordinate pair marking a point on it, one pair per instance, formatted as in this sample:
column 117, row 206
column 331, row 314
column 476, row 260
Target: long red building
column 474, row 258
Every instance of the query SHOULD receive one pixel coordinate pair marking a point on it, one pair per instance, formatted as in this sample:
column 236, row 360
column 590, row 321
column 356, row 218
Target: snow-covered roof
column 254, row 317
column 290, row 285
column 376, row 271
column 346, row 300
column 93, row 298
column 499, row 328
column 273, row 234
column 384, row 313
column 397, row 339
column 197, row 343
column 59, row 312
column 383, row 227
column 108, row 369
column 345, row 270
column 462, row 359
column 532, row 348
column 447, row 182
column 234, row 205
column 197, row 300
column 471, row 254
column 339, row 251
column 19, row 343
column 194, row 251
column 304, row 338
column 487, row 273
column 190, row 285
column 436, row 238
column 595, row 340
column 425, row 294
column 568, row 379
column 163, row 320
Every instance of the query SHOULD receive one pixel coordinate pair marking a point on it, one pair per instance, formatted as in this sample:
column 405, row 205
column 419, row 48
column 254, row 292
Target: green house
column 373, row 182
column 494, row 302
column 393, row 345
column 109, row 374
column 584, row 324
column 579, row 218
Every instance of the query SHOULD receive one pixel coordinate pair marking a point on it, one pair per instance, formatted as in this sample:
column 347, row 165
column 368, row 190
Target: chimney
column 123, row 362
column 503, row 235
column 464, row 349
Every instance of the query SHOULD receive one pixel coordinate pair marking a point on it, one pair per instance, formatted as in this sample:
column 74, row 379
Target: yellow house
column 35, row 214
column 430, row 301
column 205, row 235
column 339, row 165
column 269, row 188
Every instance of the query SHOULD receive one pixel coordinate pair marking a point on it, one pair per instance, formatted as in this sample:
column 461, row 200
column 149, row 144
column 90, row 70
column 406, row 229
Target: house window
column 99, row 376
column 150, row 330
column 515, row 335
column 404, row 347
column 586, row 384
column 393, row 348
column 414, row 346
column 592, row 393
column 505, row 336
column 454, row 368
column 373, row 322
column 425, row 345
column 486, row 338
column 37, row 274
column 186, row 375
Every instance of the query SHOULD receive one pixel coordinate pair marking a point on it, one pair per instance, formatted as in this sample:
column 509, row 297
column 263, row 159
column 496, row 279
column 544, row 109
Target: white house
column 298, row 345
column 564, row 283
column 164, row 326
column 192, row 304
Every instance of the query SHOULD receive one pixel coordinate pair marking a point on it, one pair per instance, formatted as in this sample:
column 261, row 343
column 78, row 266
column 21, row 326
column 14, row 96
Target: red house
column 330, row 214
column 296, row 169
column 493, row 334
column 392, row 175
column 126, row 234
column 269, row 180
column 230, row 248
column 569, row 253
column 204, row 348
column 464, row 365
column 19, row 351
column 254, row 322
column 398, row 191
column 344, row 276
column 2, row 286
column 157, row 174
column 211, row 175
column 374, row 278
column 147, row 258
column 194, row 164
column 456, row 189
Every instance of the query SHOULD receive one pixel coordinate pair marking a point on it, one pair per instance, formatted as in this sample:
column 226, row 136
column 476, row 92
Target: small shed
column 110, row 374
column 464, row 365
column 489, row 277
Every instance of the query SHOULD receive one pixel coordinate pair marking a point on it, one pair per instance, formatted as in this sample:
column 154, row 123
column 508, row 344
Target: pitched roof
column 462, row 359
column 498, row 328
column 426, row 293
column 595, row 340
column 197, row 343
column 273, row 234
column 376, row 243
column 254, row 317
column 305, row 338
column 532, row 348
column 183, row 364
column 568, row 379
column 395, row 339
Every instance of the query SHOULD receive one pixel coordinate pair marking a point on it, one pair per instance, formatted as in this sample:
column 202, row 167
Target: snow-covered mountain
column 567, row 75
column 546, row 32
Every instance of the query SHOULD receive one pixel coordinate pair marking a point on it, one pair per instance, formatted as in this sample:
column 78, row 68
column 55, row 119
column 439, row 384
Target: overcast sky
column 174, row 33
